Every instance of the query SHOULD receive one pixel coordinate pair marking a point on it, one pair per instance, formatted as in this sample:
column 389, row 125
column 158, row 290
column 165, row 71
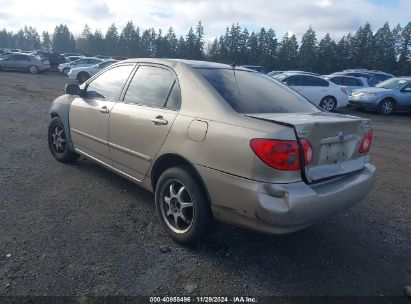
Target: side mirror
column 406, row 90
column 72, row 89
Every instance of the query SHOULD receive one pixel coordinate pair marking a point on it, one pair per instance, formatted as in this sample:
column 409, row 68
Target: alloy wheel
column 33, row 69
column 387, row 107
column 59, row 140
column 328, row 104
column 177, row 208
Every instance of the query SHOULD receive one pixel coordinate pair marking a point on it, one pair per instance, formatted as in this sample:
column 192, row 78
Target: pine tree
column 63, row 40
column 327, row 55
column 46, row 41
column 384, row 49
column 111, row 41
column 199, row 41
column 307, row 54
column 363, row 47
column 404, row 60
column 288, row 53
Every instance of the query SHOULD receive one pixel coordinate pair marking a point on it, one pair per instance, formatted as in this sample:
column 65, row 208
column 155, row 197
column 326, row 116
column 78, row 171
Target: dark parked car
column 371, row 79
column 24, row 62
column 54, row 58
column 257, row 68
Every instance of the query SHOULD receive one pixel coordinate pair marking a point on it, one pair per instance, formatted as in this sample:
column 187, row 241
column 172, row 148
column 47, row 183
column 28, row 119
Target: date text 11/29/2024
column 183, row 299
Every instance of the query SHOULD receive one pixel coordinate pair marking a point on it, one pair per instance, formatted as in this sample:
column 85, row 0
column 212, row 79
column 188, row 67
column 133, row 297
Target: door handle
column 104, row 110
column 159, row 120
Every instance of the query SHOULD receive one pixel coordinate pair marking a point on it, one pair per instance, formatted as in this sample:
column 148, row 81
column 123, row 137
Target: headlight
column 367, row 94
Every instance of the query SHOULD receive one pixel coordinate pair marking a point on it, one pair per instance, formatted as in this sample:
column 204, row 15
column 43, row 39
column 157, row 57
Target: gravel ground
column 80, row 229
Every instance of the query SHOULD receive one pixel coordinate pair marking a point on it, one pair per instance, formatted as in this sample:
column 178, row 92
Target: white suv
column 319, row 91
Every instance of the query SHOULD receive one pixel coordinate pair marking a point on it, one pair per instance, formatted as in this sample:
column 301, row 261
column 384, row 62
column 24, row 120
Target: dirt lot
column 80, row 229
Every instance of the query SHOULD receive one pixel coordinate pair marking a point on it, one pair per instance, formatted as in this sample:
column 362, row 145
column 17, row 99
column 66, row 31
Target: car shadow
column 342, row 255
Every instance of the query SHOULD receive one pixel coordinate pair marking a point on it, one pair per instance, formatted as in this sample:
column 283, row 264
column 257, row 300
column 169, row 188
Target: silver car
column 215, row 142
column 24, row 62
column 386, row 97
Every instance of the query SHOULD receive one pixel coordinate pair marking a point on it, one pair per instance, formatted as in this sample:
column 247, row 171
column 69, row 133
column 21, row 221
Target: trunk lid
column 335, row 140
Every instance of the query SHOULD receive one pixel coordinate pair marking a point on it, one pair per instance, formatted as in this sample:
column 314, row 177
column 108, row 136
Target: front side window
column 108, row 85
column 251, row 92
column 150, row 86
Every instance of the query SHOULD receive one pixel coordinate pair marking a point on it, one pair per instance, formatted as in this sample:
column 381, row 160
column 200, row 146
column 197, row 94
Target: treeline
column 387, row 49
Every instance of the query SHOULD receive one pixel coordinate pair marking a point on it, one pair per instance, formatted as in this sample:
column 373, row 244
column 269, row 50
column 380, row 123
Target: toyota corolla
column 215, row 142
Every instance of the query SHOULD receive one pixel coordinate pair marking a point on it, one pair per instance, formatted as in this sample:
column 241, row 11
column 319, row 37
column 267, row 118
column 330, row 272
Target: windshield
column 393, row 84
column 251, row 92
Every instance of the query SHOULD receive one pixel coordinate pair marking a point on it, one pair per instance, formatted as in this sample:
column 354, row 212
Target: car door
column 10, row 62
column 315, row 88
column 294, row 82
column 404, row 98
column 89, row 114
column 140, row 124
column 22, row 62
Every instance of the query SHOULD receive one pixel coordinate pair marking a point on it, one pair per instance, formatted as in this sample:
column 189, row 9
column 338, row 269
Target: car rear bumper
column 282, row 208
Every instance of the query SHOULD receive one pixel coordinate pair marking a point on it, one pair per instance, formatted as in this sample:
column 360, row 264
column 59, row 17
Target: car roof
column 192, row 63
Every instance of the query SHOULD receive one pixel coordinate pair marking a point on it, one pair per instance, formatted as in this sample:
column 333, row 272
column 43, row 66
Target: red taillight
column 366, row 143
column 308, row 151
column 282, row 154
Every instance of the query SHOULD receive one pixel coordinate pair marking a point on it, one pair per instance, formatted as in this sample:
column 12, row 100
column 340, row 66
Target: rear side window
column 382, row 77
column 108, row 85
column 22, row 57
column 294, row 81
column 251, row 92
column 311, row 81
column 152, row 86
column 353, row 82
column 338, row 80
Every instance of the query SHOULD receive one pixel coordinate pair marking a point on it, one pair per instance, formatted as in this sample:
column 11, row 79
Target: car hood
column 372, row 90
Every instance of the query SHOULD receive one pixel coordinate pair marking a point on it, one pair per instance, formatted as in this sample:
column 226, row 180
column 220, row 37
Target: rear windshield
column 251, row 92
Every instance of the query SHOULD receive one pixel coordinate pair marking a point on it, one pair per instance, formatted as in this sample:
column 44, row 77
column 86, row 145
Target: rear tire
column 33, row 69
column 58, row 143
column 182, row 206
column 386, row 106
column 328, row 103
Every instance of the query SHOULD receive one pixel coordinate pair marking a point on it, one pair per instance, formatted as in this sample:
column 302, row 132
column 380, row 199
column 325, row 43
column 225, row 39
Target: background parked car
column 83, row 73
column 257, row 68
column 24, row 62
column 73, row 58
column 378, row 75
column 371, row 79
column 391, row 95
column 84, row 62
column 71, row 54
column 54, row 58
column 350, row 82
column 319, row 91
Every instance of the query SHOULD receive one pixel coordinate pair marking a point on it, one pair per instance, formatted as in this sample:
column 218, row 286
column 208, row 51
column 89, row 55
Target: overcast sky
column 335, row 16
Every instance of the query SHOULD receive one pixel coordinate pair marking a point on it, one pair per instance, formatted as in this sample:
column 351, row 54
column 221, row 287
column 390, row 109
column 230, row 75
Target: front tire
column 58, row 144
column 328, row 103
column 386, row 107
column 182, row 206
column 82, row 77
column 33, row 69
